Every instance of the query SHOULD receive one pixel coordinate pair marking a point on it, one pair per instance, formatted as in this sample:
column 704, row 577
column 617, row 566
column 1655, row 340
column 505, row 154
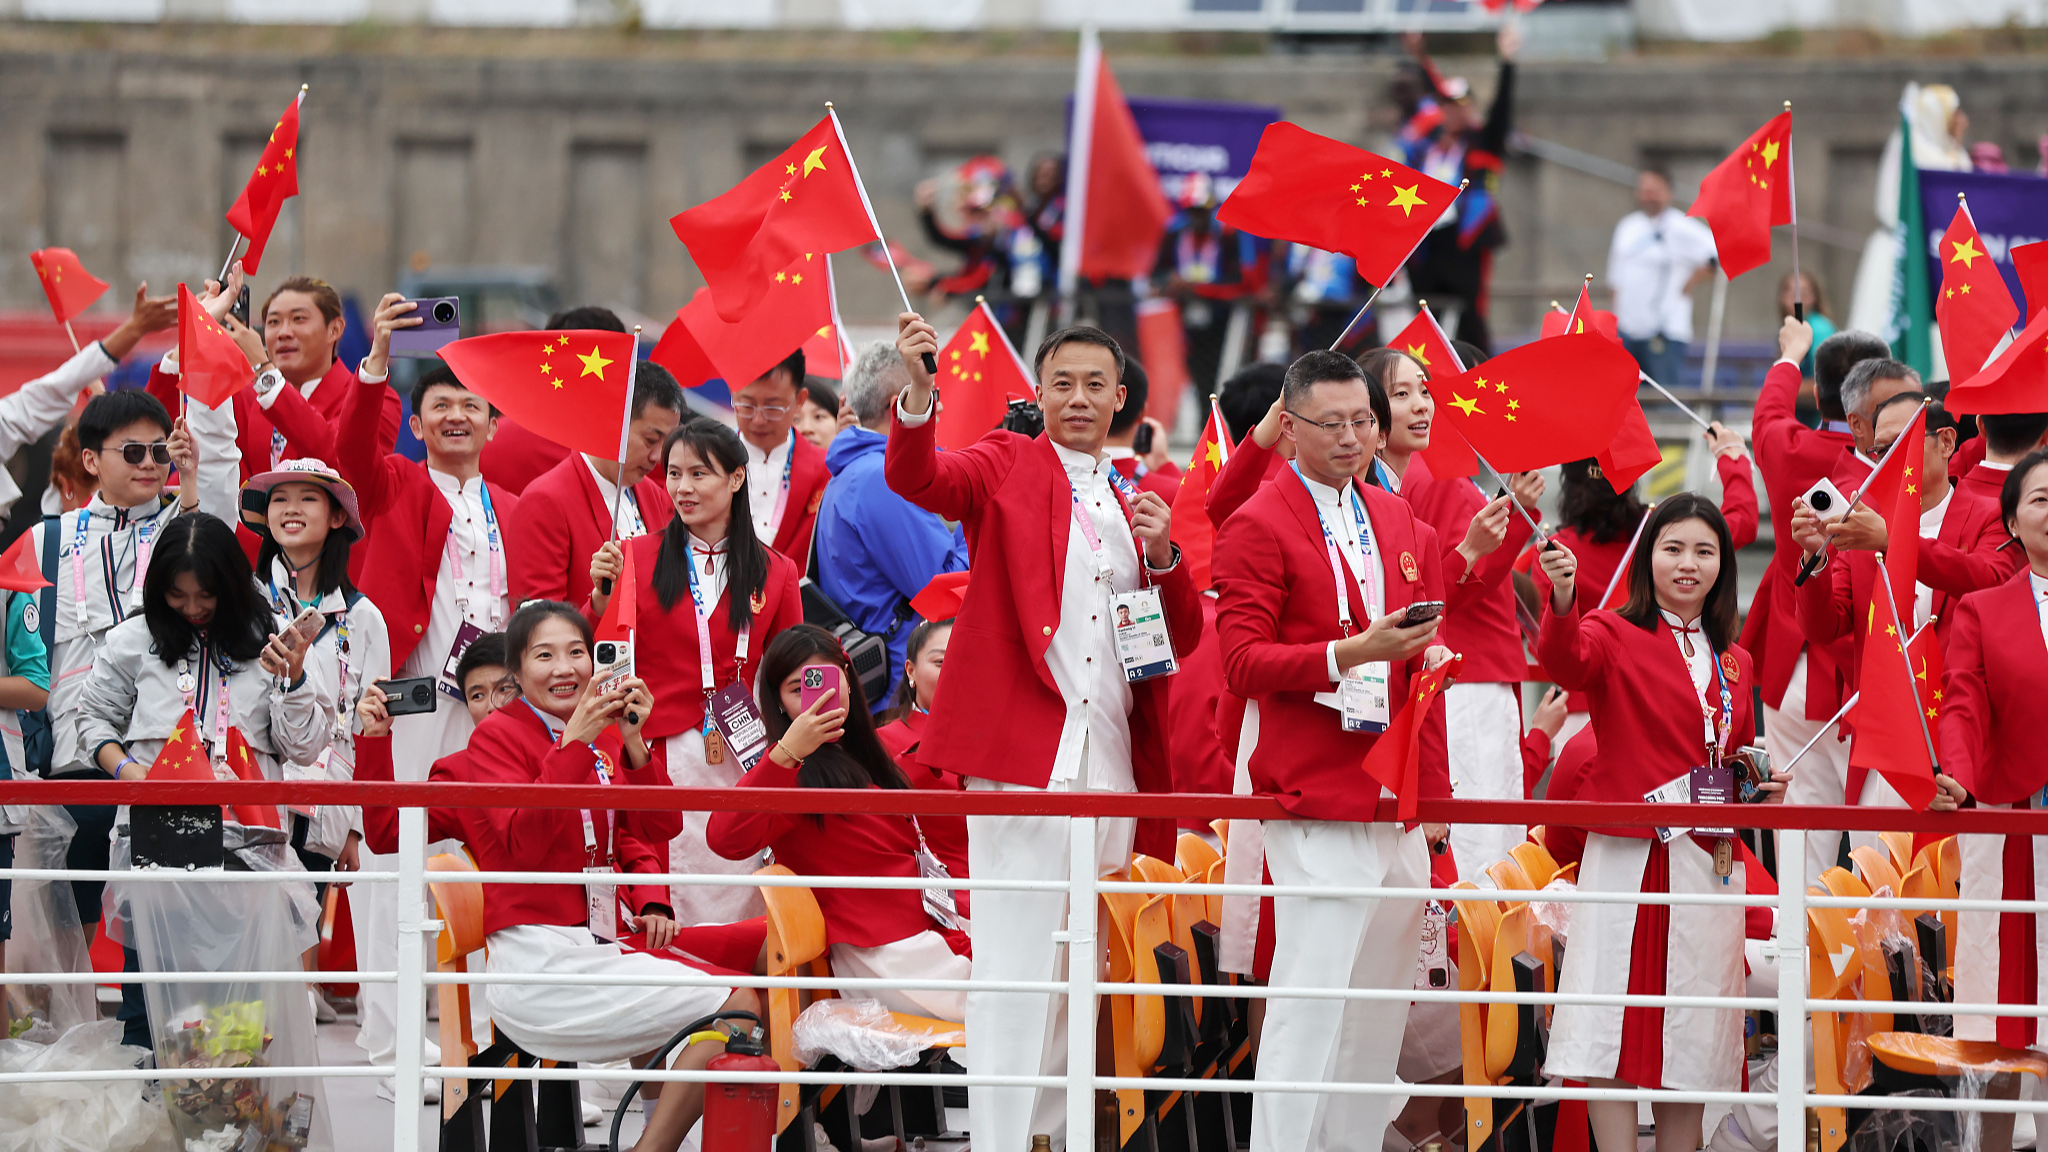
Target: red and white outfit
column 564, row 517
column 1295, row 574
column 1658, row 695
column 1035, row 699
column 1991, row 721
column 882, row 933
column 785, row 486
column 946, row 836
column 667, row 644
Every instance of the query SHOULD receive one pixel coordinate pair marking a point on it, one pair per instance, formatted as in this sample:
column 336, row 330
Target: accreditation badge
column 601, row 898
column 1362, row 697
column 1143, row 645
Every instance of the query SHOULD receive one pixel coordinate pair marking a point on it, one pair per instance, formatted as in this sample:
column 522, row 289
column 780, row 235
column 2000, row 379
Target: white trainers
column 592, row 1115
column 323, row 1012
column 387, row 1089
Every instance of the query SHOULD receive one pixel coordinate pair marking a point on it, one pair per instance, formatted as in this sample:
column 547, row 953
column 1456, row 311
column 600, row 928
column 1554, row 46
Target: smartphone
column 820, row 682
column 1141, row 440
column 409, row 697
column 1422, row 612
column 241, row 309
column 440, row 323
column 309, row 624
column 1752, row 770
column 611, row 662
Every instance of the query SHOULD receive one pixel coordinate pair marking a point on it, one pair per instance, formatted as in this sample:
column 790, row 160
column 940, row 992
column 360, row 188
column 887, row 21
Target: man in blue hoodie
column 875, row 549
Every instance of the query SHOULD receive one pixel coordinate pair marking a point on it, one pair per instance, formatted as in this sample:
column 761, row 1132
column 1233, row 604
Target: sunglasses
column 134, row 452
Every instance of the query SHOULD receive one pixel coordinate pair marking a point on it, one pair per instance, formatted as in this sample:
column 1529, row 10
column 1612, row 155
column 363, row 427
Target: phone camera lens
column 606, row 653
column 444, row 312
column 1822, row 501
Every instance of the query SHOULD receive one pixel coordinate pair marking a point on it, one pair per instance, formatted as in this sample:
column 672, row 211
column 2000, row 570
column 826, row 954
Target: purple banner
column 1211, row 137
column 2008, row 210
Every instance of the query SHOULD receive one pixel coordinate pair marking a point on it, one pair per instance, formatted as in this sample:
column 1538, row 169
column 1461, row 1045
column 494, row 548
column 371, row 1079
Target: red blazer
column 1646, row 716
column 407, row 519
column 310, row 427
column 1249, row 467
column 1969, row 454
column 562, row 521
column 1162, row 482
column 1276, row 614
column 1011, row 495
column 857, row 844
column 945, row 835
column 380, row 824
column 1201, row 763
column 1479, row 618
column 807, row 477
column 1983, row 483
column 1792, row 458
column 1993, row 710
column 517, row 456
column 665, row 648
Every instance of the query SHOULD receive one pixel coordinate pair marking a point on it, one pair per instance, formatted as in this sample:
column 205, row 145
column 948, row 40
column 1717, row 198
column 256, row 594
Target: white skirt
column 587, row 1022
column 925, row 956
column 688, row 852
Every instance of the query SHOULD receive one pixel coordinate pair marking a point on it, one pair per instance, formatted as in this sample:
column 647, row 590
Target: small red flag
column 828, row 352
column 1396, row 757
column 1447, row 455
column 978, row 373
column 1327, row 194
column 1544, row 403
column 1894, row 493
column 211, row 366
column 19, row 569
column 942, row 597
column 1125, row 211
column 65, row 281
column 2015, row 382
column 243, row 761
column 1191, row 527
column 182, row 757
column 573, row 384
column 622, row 611
column 1889, row 739
column 1747, row 194
column 797, row 305
column 809, row 199
column 1634, row 451
column 679, row 352
column 1975, row 308
column 276, row 179
column 2031, row 262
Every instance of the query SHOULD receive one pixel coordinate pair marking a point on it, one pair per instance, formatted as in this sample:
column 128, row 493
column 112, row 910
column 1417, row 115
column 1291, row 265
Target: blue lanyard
column 490, row 516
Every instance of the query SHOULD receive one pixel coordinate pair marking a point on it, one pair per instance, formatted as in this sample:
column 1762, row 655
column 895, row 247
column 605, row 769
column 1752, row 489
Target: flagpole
column 1919, row 711
column 1677, row 403
column 625, row 429
column 1224, row 446
column 228, row 263
column 1792, row 197
column 1352, row 327
column 1534, row 528
column 73, row 335
column 838, row 327
column 1080, row 145
column 931, row 362
column 1812, row 565
column 1614, row 581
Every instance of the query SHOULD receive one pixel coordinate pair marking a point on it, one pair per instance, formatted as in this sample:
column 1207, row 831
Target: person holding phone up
column 824, row 737
column 1318, row 577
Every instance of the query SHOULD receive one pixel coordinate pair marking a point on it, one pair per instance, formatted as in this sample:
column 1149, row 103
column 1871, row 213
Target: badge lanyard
column 703, row 613
column 145, row 536
column 288, row 607
column 496, row 548
column 1369, row 583
column 188, row 686
column 1087, row 525
column 782, row 495
column 1198, row 265
column 1717, row 725
column 604, row 777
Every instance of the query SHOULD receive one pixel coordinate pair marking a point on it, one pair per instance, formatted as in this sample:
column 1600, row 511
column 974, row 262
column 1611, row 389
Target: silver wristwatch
column 267, row 382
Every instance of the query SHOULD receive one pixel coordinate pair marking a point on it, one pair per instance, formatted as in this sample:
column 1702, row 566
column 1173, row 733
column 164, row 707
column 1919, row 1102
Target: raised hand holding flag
column 978, row 373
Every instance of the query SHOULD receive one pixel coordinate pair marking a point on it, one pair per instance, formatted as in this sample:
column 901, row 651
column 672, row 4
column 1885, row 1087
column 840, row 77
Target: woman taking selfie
column 1669, row 692
column 710, row 596
column 894, row 933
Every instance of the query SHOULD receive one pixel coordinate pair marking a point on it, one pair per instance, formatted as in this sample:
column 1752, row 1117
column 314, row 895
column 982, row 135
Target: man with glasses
column 785, row 473
column 1314, row 575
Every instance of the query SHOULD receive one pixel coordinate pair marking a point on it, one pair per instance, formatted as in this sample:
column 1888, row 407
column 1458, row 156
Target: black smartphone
column 1421, row 612
column 409, row 697
column 241, row 309
column 1141, row 440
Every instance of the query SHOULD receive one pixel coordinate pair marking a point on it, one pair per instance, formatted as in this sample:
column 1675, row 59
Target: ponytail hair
column 746, row 557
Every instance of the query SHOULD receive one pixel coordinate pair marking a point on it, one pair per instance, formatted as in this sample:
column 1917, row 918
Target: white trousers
column 1485, row 729
column 925, row 956
column 1244, row 862
column 1337, row 943
column 587, row 1022
column 1025, row 1033
column 1821, row 777
column 689, row 851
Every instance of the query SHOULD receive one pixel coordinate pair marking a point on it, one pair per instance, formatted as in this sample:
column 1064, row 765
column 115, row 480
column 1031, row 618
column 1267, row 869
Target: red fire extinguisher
column 740, row 1117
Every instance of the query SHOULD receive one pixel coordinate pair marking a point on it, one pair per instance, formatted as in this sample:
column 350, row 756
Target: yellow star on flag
column 1966, row 252
column 781, row 276
column 1366, row 177
column 1386, row 171
column 815, row 161
column 262, row 171
column 978, row 342
column 1213, row 453
column 1468, row 407
column 789, row 169
column 1966, row 289
column 785, row 195
column 1416, row 351
column 594, row 364
column 1406, row 200
column 1770, row 153
column 797, row 278
column 1361, row 201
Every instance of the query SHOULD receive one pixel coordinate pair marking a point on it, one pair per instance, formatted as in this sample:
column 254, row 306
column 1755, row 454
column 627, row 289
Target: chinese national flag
column 679, row 352
column 1634, row 451
column 1191, row 527
column 1447, row 455
column 1748, row 194
column 978, row 373
column 1894, row 494
column 275, row 180
column 2030, row 261
column 243, row 761
column 809, row 199
column 1975, row 309
column 1544, row 403
column 622, row 611
column 1582, row 318
column 1321, row 192
column 797, row 303
column 19, row 569
column 182, row 757
column 574, row 384
column 1396, row 757
column 1126, row 211
column 2015, row 382
column 1889, row 739
column 827, row 352
column 211, row 366
column 69, row 286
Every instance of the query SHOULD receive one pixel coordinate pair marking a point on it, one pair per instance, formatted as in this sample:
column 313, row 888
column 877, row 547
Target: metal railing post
column 411, row 1014
column 1789, row 951
column 1082, row 957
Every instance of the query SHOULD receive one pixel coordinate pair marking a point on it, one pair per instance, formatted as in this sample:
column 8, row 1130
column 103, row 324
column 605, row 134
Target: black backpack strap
column 53, row 533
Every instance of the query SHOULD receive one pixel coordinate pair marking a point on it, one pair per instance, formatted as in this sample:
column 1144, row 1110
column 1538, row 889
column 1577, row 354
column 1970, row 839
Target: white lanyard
column 1718, row 724
column 703, row 613
column 496, row 548
column 1087, row 525
column 145, row 536
column 188, row 686
column 1368, row 581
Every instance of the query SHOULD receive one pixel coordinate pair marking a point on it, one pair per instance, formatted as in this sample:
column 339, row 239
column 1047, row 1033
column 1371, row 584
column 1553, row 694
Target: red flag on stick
column 1396, row 757
column 2031, row 262
column 622, row 611
column 1327, row 194
column 1975, row 308
column 65, row 281
column 573, row 384
column 211, row 366
column 1894, row 493
column 1116, row 212
column 1889, row 737
column 276, row 179
column 809, row 199
column 243, row 762
column 2015, row 382
column 797, row 305
column 1634, row 451
column 1747, row 194
column 1447, row 455
column 182, row 757
column 1541, row 404
column 1191, row 527
column 978, row 373
column 19, row 569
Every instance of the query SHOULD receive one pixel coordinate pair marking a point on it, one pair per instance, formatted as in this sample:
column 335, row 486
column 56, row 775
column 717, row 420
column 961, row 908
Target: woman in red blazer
column 564, row 731
column 1992, row 714
column 1669, row 690
column 885, row 933
column 705, row 579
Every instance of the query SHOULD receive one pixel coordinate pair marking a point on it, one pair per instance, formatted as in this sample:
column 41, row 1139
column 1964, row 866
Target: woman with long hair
column 1670, row 692
column 710, row 596
column 897, row 933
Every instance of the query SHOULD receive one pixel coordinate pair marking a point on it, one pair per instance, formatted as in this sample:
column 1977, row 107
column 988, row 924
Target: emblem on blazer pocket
column 758, row 601
column 1728, row 666
column 817, row 501
column 1408, row 570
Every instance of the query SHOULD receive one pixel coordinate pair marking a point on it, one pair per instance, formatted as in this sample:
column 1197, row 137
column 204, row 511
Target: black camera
column 1023, row 417
column 409, row 697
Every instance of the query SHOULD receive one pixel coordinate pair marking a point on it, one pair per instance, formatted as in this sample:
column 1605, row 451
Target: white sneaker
column 592, row 1115
column 323, row 1012
column 387, row 1089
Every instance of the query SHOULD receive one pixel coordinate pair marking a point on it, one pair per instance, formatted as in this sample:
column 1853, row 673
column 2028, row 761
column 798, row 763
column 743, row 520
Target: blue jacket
column 875, row 549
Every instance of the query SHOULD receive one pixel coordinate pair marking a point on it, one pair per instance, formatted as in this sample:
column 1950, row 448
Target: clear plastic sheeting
column 107, row 1116
column 48, row 936
column 862, row 1033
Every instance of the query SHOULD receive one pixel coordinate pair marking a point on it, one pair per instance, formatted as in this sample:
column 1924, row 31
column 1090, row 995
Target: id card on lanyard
column 216, row 742
column 601, row 896
column 1144, row 646
column 1714, row 781
column 1362, row 696
column 714, row 741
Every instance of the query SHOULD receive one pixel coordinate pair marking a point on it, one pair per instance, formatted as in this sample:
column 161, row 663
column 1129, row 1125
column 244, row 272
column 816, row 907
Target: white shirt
column 629, row 523
column 1930, row 527
column 419, row 740
column 1699, row 664
column 710, row 585
column 1648, row 263
column 1082, row 658
column 764, row 484
column 1333, row 505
